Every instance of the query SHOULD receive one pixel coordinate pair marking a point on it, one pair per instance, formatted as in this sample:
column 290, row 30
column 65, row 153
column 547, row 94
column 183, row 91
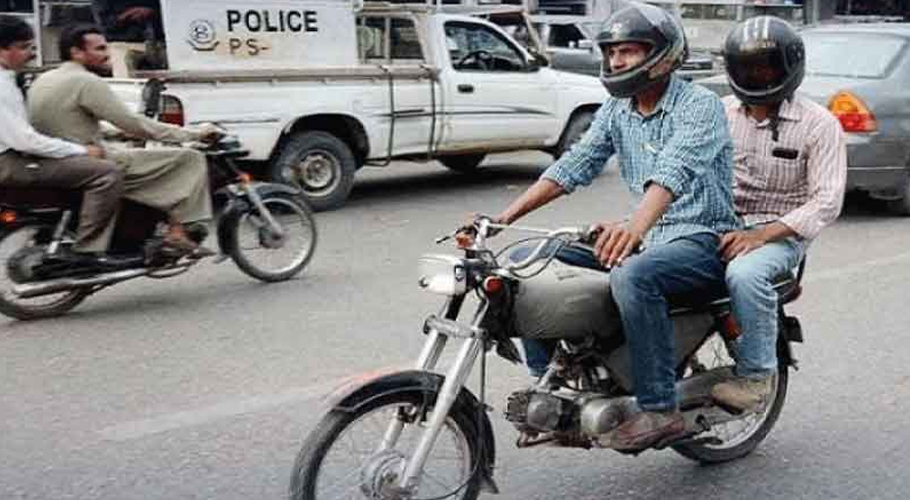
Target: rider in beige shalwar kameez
column 70, row 101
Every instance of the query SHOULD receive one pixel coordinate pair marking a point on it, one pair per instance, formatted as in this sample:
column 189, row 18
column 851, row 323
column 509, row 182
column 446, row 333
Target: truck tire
column 462, row 163
column 320, row 164
column 574, row 131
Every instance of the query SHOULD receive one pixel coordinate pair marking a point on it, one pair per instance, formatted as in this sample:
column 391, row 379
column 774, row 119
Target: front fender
column 368, row 387
column 264, row 189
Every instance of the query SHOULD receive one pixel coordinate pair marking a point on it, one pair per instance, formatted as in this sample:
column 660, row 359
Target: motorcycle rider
column 30, row 159
column 790, row 171
column 70, row 102
column 676, row 159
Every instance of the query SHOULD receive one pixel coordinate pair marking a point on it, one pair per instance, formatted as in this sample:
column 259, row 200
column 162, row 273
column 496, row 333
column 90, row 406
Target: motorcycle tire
column 331, row 430
column 38, row 307
column 745, row 444
column 285, row 208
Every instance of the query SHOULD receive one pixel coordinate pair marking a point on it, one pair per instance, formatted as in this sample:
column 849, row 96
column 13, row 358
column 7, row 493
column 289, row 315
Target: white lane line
column 136, row 429
column 859, row 267
column 140, row 428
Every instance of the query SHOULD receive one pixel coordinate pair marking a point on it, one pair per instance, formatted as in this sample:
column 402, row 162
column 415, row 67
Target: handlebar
column 483, row 228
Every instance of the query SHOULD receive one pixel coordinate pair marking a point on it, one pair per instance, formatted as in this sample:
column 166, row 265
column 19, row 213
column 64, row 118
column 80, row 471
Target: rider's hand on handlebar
column 210, row 133
column 464, row 236
column 615, row 242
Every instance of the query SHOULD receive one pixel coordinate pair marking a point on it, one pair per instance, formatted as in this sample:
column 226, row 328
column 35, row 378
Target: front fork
column 409, row 478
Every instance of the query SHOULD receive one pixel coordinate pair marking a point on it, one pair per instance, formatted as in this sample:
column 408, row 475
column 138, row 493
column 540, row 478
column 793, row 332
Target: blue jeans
column 755, row 303
column 686, row 267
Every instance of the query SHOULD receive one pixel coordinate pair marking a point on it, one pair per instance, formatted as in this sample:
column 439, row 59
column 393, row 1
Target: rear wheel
column 902, row 206
column 462, row 163
column 320, row 164
column 739, row 437
column 20, row 249
column 348, row 455
column 260, row 252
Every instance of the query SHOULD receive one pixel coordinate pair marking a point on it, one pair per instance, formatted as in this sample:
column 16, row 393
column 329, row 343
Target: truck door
column 493, row 94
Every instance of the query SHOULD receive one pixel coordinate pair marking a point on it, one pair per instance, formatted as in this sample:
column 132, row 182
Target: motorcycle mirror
column 151, row 97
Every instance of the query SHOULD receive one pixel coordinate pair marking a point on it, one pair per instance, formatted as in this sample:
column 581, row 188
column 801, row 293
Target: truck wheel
column 574, row 131
column 320, row 164
column 902, row 206
column 462, row 163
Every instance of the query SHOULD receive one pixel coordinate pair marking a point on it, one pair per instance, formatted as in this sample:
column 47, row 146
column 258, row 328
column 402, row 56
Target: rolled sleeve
column 700, row 133
column 827, row 177
column 588, row 157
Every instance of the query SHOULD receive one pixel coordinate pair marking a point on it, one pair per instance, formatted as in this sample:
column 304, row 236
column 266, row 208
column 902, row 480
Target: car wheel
column 902, row 206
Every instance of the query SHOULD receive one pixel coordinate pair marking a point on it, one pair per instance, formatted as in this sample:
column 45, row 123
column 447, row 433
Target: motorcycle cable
column 561, row 244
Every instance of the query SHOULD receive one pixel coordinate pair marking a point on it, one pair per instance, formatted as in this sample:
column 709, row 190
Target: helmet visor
column 757, row 72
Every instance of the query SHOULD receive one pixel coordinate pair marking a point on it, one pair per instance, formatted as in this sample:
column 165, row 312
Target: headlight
column 442, row 274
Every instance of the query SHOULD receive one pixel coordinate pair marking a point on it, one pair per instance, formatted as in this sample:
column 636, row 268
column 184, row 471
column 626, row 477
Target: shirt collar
column 7, row 73
column 789, row 110
column 667, row 101
column 72, row 66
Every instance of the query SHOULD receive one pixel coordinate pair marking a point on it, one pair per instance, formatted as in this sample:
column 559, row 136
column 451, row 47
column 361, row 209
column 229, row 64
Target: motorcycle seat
column 787, row 286
column 38, row 197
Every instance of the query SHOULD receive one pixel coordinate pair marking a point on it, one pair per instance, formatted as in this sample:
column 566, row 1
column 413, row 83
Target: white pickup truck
column 398, row 82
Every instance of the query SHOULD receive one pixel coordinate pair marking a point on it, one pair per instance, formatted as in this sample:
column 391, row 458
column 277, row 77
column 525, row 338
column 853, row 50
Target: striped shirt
column 798, row 180
column 683, row 146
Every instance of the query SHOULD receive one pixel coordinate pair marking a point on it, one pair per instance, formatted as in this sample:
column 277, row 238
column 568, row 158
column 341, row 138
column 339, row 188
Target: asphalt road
column 203, row 386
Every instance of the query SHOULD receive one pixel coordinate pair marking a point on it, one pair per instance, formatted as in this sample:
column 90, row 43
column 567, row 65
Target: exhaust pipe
column 31, row 290
column 601, row 415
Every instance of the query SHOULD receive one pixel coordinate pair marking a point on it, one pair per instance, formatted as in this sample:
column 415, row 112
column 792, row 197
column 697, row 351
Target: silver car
column 569, row 42
column 861, row 72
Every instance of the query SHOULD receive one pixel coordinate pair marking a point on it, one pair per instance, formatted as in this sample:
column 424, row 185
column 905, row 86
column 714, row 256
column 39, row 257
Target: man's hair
column 13, row 30
column 74, row 37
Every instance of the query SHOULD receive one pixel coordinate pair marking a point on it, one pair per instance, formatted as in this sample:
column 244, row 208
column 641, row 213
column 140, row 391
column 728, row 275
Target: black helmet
column 650, row 25
column 765, row 59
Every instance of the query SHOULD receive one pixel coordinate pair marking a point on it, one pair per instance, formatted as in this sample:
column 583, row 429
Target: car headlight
column 442, row 274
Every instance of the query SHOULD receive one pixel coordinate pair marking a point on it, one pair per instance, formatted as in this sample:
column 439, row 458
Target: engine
column 573, row 419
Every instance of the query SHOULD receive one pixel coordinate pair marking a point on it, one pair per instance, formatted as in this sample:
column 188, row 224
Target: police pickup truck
column 317, row 89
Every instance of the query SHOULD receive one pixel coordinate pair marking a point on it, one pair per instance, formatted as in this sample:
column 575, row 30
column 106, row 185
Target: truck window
column 387, row 39
column 564, row 36
column 477, row 48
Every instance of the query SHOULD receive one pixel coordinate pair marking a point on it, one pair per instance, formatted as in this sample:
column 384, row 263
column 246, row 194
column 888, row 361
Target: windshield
column 854, row 55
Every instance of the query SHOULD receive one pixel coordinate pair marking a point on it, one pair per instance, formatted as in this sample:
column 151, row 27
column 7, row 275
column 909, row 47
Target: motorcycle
column 267, row 229
column 418, row 434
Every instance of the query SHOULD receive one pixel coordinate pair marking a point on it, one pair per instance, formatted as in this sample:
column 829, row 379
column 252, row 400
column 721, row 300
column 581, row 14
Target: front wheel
column 21, row 249
column 266, row 255
column 361, row 454
column 739, row 437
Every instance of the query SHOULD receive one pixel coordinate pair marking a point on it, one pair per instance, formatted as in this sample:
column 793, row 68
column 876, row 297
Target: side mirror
column 540, row 60
column 151, row 97
column 586, row 45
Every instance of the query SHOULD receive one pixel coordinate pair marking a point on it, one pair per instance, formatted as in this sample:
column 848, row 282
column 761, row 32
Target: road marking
column 857, row 268
column 137, row 429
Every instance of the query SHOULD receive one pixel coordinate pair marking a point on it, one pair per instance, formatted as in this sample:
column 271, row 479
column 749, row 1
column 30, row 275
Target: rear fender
column 368, row 387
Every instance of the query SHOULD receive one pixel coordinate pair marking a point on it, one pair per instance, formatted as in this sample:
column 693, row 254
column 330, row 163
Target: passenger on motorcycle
column 30, row 159
column 71, row 101
column 676, row 159
column 790, row 171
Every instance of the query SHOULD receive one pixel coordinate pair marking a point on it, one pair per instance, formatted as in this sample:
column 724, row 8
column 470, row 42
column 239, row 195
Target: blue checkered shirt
column 683, row 146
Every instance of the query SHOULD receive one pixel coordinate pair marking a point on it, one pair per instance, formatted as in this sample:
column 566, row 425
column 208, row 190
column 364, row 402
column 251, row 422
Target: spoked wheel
column 19, row 250
column 738, row 437
column 362, row 455
column 264, row 254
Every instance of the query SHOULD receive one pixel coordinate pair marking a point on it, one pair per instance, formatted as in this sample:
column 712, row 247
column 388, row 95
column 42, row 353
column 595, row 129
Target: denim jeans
column 688, row 266
column 755, row 303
